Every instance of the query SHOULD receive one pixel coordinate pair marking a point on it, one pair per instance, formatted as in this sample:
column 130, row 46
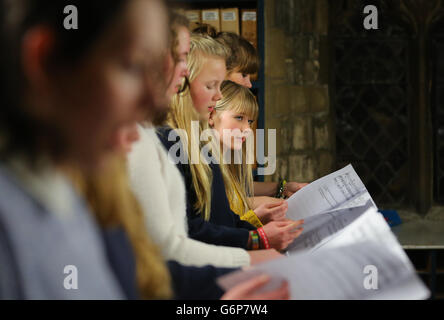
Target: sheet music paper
column 339, row 273
column 344, row 227
column 368, row 226
column 319, row 229
column 343, row 234
column 340, row 189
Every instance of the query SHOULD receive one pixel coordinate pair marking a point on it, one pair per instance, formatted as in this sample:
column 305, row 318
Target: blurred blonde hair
column 112, row 203
column 182, row 113
column 238, row 177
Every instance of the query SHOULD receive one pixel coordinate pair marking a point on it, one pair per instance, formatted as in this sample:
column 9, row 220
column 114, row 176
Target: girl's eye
column 240, row 118
column 250, row 122
column 244, row 75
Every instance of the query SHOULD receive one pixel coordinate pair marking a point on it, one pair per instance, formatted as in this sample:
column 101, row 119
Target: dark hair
column 206, row 29
column 243, row 57
column 19, row 133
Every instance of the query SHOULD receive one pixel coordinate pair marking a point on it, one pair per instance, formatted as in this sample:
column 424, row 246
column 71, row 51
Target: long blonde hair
column 238, row 177
column 112, row 203
column 182, row 113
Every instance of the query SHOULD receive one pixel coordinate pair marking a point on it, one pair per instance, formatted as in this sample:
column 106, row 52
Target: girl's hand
column 248, row 290
column 272, row 211
column 292, row 187
column 259, row 256
column 255, row 202
column 281, row 233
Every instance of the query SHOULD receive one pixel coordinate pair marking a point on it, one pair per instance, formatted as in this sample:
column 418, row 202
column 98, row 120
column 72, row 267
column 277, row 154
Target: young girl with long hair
column 243, row 62
column 232, row 120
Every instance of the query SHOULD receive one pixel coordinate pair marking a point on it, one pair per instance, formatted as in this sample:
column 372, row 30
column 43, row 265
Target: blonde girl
column 206, row 64
column 242, row 63
column 237, row 109
column 232, row 120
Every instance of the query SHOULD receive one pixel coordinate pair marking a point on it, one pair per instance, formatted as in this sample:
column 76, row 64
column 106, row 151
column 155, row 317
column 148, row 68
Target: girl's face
column 117, row 84
column 205, row 88
column 233, row 127
column 180, row 70
column 240, row 78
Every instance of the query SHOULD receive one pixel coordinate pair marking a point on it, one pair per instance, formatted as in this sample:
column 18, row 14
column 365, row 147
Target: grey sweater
column 46, row 254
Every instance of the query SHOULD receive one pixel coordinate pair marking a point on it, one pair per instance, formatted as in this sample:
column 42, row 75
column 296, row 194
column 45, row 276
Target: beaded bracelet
column 264, row 238
column 254, row 240
column 281, row 188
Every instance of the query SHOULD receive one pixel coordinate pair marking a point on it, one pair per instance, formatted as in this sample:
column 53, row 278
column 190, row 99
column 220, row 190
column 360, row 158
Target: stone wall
column 297, row 99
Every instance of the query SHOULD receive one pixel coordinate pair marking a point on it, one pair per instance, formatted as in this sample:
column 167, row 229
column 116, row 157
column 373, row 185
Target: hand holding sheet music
column 339, row 273
column 344, row 237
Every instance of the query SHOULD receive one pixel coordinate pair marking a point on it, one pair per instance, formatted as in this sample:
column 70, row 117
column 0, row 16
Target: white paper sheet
column 369, row 226
column 343, row 233
column 339, row 273
column 319, row 229
column 347, row 227
column 340, row 189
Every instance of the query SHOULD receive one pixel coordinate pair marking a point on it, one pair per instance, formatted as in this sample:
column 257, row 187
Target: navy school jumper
column 224, row 226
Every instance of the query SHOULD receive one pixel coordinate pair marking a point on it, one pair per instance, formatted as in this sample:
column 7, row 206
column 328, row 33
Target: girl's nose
column 185, row 73
column 218, row 96
column 247, row 82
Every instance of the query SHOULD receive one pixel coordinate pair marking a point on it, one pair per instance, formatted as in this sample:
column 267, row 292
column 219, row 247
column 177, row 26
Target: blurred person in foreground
column 65, row 94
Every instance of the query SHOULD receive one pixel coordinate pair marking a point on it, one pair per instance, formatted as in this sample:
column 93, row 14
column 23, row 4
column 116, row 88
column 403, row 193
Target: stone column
column 297, row 99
